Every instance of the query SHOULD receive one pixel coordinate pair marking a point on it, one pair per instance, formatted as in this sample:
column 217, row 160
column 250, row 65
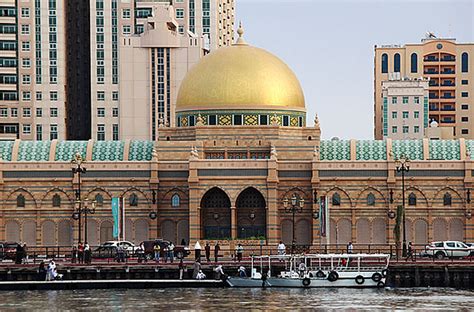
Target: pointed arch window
column 175, row 200
column 336, row 199
column 99, row 200
column 384, row 63
column 396, row 63
column 414, row 63
column 447, row 199
column 412, row 199
column 464, row 62
column 56, row 200
column 20, row 201
column 133, row 200
column 370, row 200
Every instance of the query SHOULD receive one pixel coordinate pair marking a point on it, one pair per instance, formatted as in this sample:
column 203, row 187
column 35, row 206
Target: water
column 421, row 299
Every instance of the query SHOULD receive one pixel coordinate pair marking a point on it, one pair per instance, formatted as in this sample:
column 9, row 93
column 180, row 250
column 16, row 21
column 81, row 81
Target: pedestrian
column 350, row 248
column 80, row 252
column 183, row 242
column 242, row 272
column 25, row 254
column 140, row 253
column 165, row 253
column 302, row 268
column 120, row 254
column 208, row 252
column 181, row 267
column 74, row 254
column 157, row 250
column 200, row 275
column 281, row 250
column 18, row 254
column 410, row 251
column 239, row 251
column 197, row 251
column 171, row 252
column 41, row 272
column 51, row 271
column 87, row 253
column 216, row 251
column 219, row 272
column 196, row 268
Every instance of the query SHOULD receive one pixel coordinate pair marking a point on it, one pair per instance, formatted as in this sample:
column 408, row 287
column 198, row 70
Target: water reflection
column 205, row 299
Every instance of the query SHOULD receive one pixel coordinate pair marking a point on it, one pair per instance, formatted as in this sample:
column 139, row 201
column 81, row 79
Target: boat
column 316, row 270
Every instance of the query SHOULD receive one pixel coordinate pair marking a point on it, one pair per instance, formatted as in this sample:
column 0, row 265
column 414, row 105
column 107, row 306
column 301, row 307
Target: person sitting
column 200, row 275
column 242, row 272
column 302, row 269
column 219, row 272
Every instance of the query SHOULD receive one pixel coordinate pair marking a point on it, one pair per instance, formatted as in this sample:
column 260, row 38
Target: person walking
column 197, row 251
column 217, row 248
column 157, row 250
column 350, row 248
column 87, row 253
column 239, row 252
column 410, row 252
column 208, row 252
column 74, row 254
column 18, row 254
column 25, row 254
column 196, row 268
column 171, row 252
column 181, row 267
column 281, row 250
column 80, row 253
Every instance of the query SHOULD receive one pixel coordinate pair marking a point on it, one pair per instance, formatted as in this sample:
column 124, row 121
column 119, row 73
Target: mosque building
column 240, row 150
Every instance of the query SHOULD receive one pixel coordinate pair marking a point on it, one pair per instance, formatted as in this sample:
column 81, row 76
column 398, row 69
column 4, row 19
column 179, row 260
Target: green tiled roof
column 65, row 150
column 371, row 150
column 6, row 148
column 335, row 150
column 470, row 147
column 413, row 149
column 444, row 150
column 108, row 151
column 140, row 150
column 34, row 151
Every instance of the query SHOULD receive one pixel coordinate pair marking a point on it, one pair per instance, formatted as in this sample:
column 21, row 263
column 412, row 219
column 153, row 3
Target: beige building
column 32, row 70
column 405, row 107
column 450, row 68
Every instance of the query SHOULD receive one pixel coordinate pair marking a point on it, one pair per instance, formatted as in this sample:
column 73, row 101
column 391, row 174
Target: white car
column 448, row 249
column 126, row 245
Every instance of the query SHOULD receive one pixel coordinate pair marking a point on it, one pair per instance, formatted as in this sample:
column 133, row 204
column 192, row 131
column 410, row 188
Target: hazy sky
column 330, row 46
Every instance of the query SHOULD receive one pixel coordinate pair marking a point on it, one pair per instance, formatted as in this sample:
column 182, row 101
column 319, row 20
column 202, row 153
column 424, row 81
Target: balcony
column 445, row 84
column 447, row 121
column 433, row 96
column 433, row 84
column 431, row 72
column 448, row 109
column 448, row 59
column 447, row 97
column 448, row 72
column 434, row 108
column 431, row 59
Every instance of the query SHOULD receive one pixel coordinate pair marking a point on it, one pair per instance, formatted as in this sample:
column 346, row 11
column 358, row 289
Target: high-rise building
column 405, row 107
column 449, row 67
column 60, row 61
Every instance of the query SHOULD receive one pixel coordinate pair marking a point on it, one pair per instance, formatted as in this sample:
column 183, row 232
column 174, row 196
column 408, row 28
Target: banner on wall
column 116, row 216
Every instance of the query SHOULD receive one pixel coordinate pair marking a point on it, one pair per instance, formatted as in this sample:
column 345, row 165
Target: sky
column 329, row 44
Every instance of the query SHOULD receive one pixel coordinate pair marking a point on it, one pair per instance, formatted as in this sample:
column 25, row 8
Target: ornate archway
column 215, row 214
column 251, row 214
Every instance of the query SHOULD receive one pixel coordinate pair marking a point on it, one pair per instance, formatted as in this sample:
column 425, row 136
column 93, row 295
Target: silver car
column 448, row 249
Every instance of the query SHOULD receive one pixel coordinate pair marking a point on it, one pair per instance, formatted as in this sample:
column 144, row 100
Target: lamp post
column 77, row 168
column 82, row 207
column 294, row 205
column 403, row 165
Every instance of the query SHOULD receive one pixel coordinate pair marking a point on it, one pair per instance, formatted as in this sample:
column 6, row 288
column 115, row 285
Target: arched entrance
column 251, row 214
column 215, row 214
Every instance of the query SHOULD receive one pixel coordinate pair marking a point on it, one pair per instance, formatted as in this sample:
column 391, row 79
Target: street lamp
column 296, row 205
column 77, row 168
column 403, row 165
column 82, row 207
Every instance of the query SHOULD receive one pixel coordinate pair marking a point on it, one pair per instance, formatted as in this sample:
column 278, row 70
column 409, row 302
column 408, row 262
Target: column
column 233, row 222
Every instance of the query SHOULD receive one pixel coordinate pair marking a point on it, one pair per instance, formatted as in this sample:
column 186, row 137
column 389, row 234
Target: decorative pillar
column 194, row 200
column 315, row 184
column 273, row 222
column 154, row 184
column 233, row 222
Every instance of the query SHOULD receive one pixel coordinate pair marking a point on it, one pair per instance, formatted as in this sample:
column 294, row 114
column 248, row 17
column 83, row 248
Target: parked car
column 108, row 251
column 126, row 245
column 180, row 251
column 471, row 247
column 448, row 249
column 8, row 250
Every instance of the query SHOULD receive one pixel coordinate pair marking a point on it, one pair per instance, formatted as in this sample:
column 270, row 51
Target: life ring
column 380, row 284
column 306, row 282
column 333, row 276
column 384, row 272
column 320, row 274
column 359, row 279
column 376, row 277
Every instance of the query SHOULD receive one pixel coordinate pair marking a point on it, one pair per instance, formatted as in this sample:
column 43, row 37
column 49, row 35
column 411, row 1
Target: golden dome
column 240, row 77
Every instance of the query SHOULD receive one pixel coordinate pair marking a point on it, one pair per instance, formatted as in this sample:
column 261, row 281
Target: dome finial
column 240, row 32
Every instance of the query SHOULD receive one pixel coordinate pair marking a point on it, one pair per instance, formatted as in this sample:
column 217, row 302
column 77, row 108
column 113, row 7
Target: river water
column 421, row 299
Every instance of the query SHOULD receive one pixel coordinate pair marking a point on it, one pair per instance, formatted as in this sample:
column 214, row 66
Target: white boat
column 317, row 270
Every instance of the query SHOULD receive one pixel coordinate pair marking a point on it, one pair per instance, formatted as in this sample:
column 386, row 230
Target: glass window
column 412, row 199
column 464, row 81
column 26, row 79
column 370, row 200
column 25, row 29
column 263, row 119
column 286, row 121
column 394, row 115
column 39, row 112
column 179, row 13
column 464, row 94
column 464, row 106
column 405, row 129
column 39, row 95
column 115, row 132
column 394, row 100
column 394, row 129
column 53, row 111
column 39, row 132
column 127, row 29
column 26, row 129
column 99, row 200
column 414, row 63
column 384, row 63
column 238, row 120
column 20, row 201
column 396, row 63
column 26, row 63
column 175, row 200
column 212, row 119
column 25, row 12
column 181, row 29
column 464, row 131
column 115, row 95
column 3, row 112
column 100, row 95
column 14, row 112
column 115, row 112
column 416, row 115
column 26, row 112
column 53, row 95
column 416, row 129
column 336, row 199
column 25, row 46
column 405, row 100
column 100, row 132
column 56, row 200
column 447, row 199
column 26, row 95
column 100, row 112
column 405, row 115
column 416, row 99
column 53, row 132
column 133, row 200
column 464, row 62
column 464, row 119
column 126, row 13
